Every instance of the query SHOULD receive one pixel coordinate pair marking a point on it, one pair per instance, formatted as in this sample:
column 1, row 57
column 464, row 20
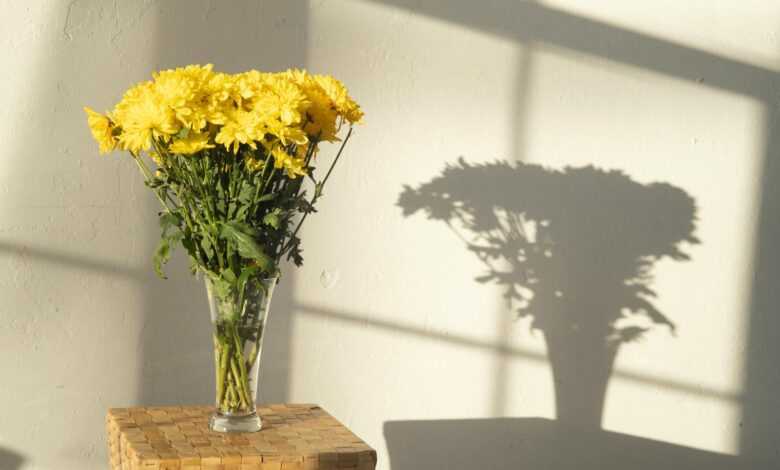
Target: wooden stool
column 294, row 437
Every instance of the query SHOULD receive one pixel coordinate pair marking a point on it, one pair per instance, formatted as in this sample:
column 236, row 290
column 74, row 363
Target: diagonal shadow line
column 71, row 261
column 529, row 22
column 505, row 350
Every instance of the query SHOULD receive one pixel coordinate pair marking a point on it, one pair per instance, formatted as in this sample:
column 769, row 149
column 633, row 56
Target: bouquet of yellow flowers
column 227, row 155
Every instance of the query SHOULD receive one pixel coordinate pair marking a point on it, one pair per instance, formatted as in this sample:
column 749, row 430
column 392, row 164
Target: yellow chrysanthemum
column 102, row 130
column 337, row 92
column 217, row 98
column 247, row 86
column 186, row 92
column 322, row 115
column 253, row 163
column 291, row 101
column 193, row 143
column 294, row 166
column 297, row 76
column 353, row 113
column 143, row 115
column 242, row 127
column 275, row 109
column 285, row 134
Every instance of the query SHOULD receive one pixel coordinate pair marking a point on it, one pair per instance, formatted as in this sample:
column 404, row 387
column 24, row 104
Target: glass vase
column 239, row 320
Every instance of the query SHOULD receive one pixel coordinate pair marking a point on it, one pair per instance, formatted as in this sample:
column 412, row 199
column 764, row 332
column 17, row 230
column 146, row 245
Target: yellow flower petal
column 102, row 130
column 193, row 143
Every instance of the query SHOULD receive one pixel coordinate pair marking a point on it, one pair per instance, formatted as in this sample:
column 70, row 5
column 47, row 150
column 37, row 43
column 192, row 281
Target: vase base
column 223, row 423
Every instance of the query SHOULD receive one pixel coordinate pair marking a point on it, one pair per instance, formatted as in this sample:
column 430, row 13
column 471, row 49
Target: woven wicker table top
column 294, row 437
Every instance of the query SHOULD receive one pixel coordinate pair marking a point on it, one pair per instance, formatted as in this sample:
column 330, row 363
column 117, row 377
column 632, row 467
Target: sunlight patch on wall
column 743, row 30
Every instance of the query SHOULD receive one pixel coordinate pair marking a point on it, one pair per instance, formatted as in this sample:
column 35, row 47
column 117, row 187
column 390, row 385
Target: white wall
column 84, row 322
column 398, row 341
column 665, row 91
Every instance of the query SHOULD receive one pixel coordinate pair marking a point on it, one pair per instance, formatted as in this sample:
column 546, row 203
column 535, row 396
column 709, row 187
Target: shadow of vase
column 573, row 251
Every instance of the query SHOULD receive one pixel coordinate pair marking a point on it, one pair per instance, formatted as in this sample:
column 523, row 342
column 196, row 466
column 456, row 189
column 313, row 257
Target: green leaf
column 266, row 197
column 171, row 234
column 161, row 256
column 222, row 288
column 244, row 277
column 272, row 218
column 243, row 236
column 242, row 280
column 241, row 227
column 169, row 220
column 221, row 206
column 228, row 275
column 303, row 205
column 246, row 193
column 188, row 245
column 163, row 252
column 205, row 245
column 295, row 251
column 242, row 212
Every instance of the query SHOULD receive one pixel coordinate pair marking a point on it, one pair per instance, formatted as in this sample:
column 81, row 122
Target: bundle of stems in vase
column 237, row 344
column 226, row 156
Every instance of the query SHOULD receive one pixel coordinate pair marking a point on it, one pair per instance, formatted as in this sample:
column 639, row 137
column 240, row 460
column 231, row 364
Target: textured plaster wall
column 385, row 325
column 73, row 229
column 676, row 92
column 84, row 322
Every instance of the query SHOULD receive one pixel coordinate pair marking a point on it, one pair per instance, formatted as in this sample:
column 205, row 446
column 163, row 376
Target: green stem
column 217, row 357
column 239, row 356
column 233, row 388
column 230, row 399
column 338, row 155
column 317, row 194
column 236, row 392
column 148, row 178
column 261, row 187
column 250, row 361
column 221, row 377
column 189, row 213
column 243, row 394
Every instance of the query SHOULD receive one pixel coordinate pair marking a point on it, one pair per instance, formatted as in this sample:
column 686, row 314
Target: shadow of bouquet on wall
column 573, row 250
column 10, row 460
